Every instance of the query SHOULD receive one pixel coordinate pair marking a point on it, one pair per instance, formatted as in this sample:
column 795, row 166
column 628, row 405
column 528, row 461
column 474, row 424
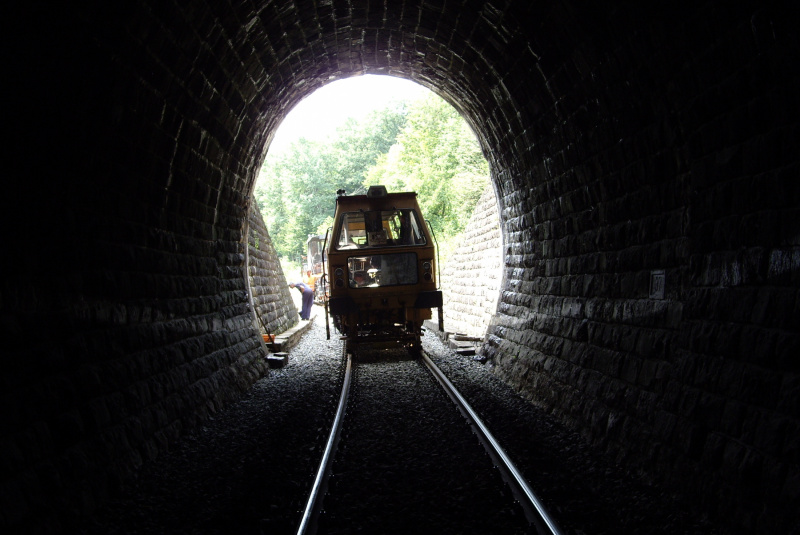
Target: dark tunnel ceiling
column 459, row 54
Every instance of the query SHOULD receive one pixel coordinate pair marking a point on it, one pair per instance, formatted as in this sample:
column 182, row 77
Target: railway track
column 249, row 468
column 404, row 459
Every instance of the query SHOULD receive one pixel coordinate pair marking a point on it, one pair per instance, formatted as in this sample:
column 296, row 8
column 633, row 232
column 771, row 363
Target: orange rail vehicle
column 382, row 269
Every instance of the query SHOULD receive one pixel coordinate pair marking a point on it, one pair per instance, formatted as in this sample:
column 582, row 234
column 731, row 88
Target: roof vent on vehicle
column 376, row 191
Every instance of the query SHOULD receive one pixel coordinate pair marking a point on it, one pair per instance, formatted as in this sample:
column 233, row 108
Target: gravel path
column 247, row 470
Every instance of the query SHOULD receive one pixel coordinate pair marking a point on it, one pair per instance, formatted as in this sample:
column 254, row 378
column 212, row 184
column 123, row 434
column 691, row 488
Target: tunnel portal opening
column 393, row 131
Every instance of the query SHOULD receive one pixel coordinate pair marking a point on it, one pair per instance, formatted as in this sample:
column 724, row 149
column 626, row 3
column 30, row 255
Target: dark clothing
column 308, row 299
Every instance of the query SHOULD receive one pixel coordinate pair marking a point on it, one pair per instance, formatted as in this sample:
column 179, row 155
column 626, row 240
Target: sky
column 319, row 114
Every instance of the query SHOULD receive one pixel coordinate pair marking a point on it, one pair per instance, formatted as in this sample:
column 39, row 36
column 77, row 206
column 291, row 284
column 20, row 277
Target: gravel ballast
column 248, row 469
column 409, row 461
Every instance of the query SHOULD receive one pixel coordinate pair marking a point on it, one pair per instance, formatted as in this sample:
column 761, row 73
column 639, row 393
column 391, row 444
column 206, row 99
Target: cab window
column 371, row 271
column 380, row 228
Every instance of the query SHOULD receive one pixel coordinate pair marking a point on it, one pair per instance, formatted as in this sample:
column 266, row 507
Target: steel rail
column 538, row 516
column 308, row 521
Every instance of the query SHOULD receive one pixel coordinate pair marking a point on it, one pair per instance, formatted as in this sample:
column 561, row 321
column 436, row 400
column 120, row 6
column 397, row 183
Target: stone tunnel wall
column 625, row 139
column 652, row 257
column 471, row 278
column 272, row 302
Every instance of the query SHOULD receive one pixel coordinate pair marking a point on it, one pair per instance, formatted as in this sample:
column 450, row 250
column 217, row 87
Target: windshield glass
column 380, row 228
column 314, row 260
column 371, row 271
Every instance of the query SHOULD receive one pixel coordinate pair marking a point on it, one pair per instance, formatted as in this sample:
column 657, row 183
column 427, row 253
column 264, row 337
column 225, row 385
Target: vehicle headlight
column 427, row 271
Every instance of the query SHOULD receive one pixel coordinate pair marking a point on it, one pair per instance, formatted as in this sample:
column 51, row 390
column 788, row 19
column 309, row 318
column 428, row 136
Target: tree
column 437, row 156
column 302, row 182
column 424, row 146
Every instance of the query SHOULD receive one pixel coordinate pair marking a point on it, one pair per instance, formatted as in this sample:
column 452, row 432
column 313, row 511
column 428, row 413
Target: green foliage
column 291, row 269
column 437, row 156
column 325, row 225
column 424, row 146
column 297, row 189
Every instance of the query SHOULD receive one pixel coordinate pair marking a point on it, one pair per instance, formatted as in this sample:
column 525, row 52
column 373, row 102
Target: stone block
column 278, row 360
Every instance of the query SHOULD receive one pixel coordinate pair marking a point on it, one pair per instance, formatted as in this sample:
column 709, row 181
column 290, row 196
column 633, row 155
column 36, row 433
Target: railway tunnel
column 645, row 161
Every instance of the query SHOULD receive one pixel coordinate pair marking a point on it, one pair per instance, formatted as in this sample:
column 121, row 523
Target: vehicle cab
column 381, row 264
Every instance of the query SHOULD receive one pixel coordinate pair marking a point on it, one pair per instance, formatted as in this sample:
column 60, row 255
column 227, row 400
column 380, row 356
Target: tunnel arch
column 623, row 144
column 482, row 133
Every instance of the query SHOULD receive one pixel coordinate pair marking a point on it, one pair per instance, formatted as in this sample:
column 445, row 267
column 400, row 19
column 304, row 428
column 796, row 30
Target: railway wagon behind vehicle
column 381, row 268
column 312, row 270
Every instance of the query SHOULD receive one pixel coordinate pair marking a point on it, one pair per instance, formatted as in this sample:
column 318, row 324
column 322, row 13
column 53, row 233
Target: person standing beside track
column 308, row 298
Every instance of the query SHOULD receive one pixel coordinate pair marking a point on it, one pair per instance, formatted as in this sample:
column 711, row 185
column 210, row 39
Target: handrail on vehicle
column 325, row 274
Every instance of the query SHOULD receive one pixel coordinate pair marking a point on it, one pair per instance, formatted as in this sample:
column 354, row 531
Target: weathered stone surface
column 275, row 311
column 471, row 279
column 622, row 138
